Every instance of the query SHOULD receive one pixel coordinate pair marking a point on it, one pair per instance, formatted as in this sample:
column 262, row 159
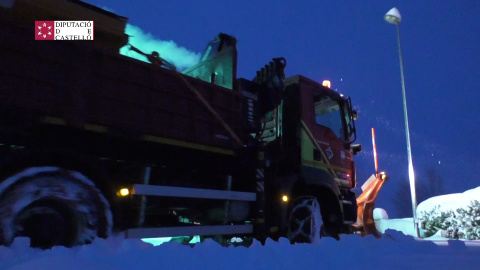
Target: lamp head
column 393, row 16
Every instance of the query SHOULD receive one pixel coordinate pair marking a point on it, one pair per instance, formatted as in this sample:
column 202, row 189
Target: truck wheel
column 52, row 207
column 305, row 221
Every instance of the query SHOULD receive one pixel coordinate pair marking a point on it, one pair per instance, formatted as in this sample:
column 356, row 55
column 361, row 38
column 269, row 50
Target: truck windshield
column 328, row 114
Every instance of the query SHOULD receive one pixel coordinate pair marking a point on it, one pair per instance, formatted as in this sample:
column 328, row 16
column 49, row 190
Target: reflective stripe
column 342, row 182
column 167, row 191
column 218, row 150
column 316, row 164
column 53, row 120
column 95, row 128
column 260, row 174
column 315, row 143
column 260, row 186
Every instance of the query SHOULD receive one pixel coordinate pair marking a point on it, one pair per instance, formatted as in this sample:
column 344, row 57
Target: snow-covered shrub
column 434, row 220
column 463, row 223
column 468, row 221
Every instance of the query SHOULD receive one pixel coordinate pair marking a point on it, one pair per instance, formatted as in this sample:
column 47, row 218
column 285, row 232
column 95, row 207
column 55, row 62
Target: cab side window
column 328, row 114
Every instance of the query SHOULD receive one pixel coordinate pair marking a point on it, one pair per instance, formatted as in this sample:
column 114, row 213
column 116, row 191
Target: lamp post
column 393, row 16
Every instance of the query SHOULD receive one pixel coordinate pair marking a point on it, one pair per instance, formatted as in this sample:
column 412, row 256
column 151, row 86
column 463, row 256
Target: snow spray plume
column 169, row 50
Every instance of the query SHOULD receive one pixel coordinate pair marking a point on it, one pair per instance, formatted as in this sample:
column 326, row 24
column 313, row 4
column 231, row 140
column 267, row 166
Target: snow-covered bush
column 463, row 223
column 434, row 220
column 468, row 221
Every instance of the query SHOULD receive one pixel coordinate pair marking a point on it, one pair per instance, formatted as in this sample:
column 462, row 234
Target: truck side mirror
column 356, row 148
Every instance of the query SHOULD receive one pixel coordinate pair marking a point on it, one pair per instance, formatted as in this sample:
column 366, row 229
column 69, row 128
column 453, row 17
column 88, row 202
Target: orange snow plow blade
column 366, row 204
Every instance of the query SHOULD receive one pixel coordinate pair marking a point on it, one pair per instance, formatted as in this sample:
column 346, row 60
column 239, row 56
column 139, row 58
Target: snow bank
column 393, row 251
column 450, row 201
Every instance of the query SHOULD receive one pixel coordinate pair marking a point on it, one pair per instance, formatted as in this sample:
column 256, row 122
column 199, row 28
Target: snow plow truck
column 94, row 143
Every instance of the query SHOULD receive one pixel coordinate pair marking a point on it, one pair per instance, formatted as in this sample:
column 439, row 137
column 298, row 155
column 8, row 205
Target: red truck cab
column 310, row 136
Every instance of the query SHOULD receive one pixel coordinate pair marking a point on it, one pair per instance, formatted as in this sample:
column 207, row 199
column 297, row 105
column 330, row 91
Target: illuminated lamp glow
column 124, row 192
column 327, row 83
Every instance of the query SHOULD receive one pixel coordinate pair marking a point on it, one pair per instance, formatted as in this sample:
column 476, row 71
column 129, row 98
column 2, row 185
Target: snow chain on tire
column 305, row 221
column 23, row 192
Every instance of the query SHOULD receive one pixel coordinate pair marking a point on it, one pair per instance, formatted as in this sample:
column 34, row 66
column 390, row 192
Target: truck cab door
column 328, row 136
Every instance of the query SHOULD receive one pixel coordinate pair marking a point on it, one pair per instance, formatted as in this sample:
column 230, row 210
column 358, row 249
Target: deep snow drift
column 450, row 201
column 394, row 250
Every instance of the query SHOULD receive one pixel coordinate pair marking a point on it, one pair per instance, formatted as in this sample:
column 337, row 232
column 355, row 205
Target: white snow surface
column 404, row 225
column 449, row 201
column 394, row 250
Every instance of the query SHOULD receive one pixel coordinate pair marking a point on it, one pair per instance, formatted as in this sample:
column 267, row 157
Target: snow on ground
column 394, row 250
column 404, row 225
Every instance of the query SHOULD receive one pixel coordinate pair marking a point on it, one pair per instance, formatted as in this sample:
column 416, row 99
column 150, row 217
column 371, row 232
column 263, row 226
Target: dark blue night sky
column 349, row 43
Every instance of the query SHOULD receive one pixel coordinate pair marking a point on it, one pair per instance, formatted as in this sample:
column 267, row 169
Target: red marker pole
column 374, row 152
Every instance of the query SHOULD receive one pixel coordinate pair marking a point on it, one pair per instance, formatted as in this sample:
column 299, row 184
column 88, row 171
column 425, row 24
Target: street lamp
column 393, row 16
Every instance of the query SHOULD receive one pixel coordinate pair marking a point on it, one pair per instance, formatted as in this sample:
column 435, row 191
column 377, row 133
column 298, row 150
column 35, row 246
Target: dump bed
column 80, row 85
